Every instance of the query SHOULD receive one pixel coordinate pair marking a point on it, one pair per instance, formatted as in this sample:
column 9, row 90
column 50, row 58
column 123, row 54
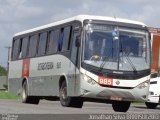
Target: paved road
column 52, row 110
column 54, row 107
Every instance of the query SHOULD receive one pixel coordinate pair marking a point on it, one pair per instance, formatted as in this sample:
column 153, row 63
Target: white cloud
column 18, row 15
column 148, row 15
column 17, row 12
column 15, row 3
column 140, row 2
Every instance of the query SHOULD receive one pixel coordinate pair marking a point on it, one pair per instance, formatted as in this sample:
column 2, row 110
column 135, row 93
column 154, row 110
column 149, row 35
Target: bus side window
column 61, row 39
column 32, row 46
column 15, row 49
column 75, row 49
column 24, row 47
column 20, row 49
column 42, row 44
column 66, row 38
column 53, row 41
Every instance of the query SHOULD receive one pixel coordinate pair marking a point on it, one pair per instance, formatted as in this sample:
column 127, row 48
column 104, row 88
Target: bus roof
column 80, row 18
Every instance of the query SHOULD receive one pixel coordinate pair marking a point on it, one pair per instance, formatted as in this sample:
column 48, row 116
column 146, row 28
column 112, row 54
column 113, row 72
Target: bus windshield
column 116, row 48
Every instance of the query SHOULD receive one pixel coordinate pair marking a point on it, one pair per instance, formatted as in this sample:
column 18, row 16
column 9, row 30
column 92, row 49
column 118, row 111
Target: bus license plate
column 117, row 98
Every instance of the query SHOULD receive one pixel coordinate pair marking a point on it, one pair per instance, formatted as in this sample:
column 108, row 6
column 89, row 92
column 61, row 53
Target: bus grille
column 126, row 96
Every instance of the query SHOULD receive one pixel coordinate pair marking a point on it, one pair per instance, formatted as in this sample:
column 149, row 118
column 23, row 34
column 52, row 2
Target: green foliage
column 5, row 86
column 7, row 95
column 3, row 71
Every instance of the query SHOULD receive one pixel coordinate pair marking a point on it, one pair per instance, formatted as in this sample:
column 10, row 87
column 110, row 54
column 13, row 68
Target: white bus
column 83, row 58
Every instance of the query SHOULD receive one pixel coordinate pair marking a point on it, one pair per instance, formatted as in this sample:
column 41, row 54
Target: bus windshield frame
column 110, row 42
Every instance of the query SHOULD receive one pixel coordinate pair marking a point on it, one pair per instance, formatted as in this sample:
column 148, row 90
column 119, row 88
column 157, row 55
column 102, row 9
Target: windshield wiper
column 128, row 59
column 105, row 60
column 103, row 63
column 132, row 65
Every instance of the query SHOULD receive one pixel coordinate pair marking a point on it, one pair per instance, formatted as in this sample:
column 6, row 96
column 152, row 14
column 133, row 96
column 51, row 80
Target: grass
column 7, row 95
column 138, row 103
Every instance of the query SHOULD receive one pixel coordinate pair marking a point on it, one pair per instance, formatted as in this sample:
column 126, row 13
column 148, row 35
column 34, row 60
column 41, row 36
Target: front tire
column 25, row 97
column 69, row 101
column 121, row 106
column 151, row 105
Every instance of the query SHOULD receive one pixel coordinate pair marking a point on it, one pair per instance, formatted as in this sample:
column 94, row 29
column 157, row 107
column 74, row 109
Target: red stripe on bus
column 25, row 67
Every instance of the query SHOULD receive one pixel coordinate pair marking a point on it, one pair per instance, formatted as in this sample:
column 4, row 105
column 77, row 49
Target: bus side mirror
column 77, row 43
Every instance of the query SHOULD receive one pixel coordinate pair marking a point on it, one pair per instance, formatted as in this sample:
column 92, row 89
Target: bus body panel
column 44, row 76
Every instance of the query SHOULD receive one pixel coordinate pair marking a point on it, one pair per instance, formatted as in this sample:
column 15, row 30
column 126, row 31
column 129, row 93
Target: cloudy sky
column 19, row 15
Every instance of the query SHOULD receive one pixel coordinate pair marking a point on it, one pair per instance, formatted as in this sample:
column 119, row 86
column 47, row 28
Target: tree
column 3, row 71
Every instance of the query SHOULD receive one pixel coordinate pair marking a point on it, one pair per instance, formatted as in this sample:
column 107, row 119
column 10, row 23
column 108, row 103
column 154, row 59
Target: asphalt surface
column 54, row 107
column 50, row 108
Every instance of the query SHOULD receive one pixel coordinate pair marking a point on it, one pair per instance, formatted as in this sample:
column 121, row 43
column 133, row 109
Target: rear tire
column 151, row 105
column 121, row 106
column 26, row 98
column 69, row 101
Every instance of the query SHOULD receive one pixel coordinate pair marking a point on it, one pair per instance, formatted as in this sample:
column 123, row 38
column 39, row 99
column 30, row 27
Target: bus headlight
column 144, row 84
column 88, row 79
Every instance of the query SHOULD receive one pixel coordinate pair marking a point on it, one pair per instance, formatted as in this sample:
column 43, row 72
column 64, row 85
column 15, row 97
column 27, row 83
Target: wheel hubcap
column 23, row 94
column 64, row 93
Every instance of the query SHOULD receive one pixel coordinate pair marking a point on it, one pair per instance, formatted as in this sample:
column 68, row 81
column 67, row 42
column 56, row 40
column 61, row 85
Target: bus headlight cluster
column 144, row 84
column 88, row 79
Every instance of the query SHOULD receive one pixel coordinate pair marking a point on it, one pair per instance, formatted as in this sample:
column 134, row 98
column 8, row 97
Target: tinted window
column 74, row 49
column 24, row 47
column 53, row 41
column 42, row 43
column 32, row 46
column 15, row 49
column 60, row 41
column 20, row 49
column 66, row 38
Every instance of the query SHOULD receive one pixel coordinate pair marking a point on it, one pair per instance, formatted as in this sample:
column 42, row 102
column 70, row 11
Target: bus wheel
column 151, row 105
column 121, row 106
column 69, row 101
column 26, row 98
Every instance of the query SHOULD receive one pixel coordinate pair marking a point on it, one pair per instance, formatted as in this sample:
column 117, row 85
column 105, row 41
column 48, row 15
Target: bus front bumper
column 111, row 93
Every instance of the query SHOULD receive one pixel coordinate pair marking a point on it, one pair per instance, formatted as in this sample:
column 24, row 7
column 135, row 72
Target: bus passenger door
column 73, row 82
